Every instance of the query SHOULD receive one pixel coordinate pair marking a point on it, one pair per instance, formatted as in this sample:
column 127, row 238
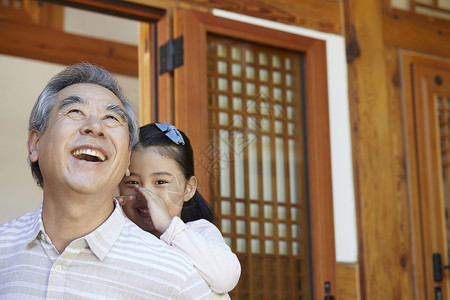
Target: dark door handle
column 438, row 267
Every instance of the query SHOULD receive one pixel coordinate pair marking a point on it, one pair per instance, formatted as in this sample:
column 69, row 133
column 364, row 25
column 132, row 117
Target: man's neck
column 68, row 217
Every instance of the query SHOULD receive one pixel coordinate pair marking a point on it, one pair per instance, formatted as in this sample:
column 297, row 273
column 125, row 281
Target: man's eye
column 110, row 117
column 74, row 111
column 112, row 120
column 75, row 114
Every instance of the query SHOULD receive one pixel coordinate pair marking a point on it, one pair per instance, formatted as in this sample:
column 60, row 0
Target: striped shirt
column 116, row 261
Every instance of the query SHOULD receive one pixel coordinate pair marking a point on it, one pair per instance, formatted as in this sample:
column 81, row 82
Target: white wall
column 341, row 155
column 101, row 26
column 21, row 81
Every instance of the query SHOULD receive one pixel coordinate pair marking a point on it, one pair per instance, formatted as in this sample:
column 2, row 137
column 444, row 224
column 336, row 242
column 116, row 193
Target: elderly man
column 78, row 244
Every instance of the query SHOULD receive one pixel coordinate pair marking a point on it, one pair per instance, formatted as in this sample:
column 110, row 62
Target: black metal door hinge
column 171, row 55
column 328, row 295
column 438, row 267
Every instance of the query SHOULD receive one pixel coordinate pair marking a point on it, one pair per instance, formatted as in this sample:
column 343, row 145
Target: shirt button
column 58, row 268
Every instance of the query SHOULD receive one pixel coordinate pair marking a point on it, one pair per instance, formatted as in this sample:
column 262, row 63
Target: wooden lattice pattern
column 257, row 165
column 443, row 107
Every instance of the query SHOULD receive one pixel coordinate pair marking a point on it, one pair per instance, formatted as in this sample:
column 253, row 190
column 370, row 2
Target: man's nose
column 93, row 127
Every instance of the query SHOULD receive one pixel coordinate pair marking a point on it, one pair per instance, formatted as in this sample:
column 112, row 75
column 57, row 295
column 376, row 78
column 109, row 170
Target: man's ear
column 127, row 171
column 33, row 145
column 191, row 187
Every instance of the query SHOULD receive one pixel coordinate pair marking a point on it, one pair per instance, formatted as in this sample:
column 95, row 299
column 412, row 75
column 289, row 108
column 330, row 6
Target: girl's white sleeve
column 204, row 245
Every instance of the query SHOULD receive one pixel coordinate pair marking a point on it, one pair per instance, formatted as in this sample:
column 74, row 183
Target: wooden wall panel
column 348, row 281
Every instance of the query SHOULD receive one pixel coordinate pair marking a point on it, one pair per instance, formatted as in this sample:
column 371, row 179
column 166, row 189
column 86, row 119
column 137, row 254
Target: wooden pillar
column 381, row 202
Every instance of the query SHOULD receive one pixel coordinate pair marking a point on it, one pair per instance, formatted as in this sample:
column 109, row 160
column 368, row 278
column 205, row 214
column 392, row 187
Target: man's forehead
column 87, row 93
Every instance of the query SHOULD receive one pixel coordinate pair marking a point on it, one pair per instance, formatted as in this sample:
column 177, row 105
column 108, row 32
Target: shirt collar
column 102, row 239
column 36, row 225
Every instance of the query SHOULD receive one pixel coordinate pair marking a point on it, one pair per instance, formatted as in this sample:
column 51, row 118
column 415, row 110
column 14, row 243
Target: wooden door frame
column 190, row 81
column 421, row 264
column 123, row 9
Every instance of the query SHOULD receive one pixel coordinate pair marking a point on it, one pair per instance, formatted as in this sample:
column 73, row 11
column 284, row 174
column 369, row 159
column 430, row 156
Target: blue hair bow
column 171, row 132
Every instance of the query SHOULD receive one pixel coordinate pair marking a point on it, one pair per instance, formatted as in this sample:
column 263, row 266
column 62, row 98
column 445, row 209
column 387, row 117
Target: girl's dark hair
column 151, row 136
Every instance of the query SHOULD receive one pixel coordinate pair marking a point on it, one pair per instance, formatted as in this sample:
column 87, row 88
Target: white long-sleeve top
column 204, row 245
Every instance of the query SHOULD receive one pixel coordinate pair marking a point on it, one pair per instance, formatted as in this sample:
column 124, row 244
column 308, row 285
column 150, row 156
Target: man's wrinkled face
column 85, row 145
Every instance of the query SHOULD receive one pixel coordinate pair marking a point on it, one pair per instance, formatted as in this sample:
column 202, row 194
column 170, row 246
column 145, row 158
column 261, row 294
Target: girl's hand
column 124, row 200
column 157, row 208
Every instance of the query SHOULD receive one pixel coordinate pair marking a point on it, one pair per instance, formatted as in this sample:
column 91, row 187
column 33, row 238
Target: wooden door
column 427, row 111
column 254, row 103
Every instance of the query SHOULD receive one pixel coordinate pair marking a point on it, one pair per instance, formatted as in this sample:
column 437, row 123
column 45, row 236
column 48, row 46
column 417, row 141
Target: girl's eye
column 133, row 182
column 158, row 182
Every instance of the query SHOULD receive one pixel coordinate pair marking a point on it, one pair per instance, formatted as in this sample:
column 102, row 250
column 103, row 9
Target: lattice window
column 443, row 109
column 258, row 171
column 434, row 8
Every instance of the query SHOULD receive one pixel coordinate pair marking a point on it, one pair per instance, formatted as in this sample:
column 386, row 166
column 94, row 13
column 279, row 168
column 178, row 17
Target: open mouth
column 89, row 155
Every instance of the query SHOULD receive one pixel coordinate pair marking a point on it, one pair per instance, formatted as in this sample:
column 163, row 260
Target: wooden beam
column 124, row 9
column 55, row 46
column 419, row 33
column 320, row 15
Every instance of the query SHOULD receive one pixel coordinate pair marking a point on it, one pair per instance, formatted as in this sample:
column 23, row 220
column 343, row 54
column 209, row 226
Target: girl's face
column 162, row 176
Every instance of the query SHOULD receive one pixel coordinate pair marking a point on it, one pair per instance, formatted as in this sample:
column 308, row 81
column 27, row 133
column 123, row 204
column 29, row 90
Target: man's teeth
column 90, row 152
column 144, row 211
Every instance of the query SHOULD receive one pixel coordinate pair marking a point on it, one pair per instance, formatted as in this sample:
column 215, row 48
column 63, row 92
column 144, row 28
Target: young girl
column 161, row 197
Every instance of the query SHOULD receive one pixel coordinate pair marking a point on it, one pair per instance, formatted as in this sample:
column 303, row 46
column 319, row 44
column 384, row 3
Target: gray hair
column 79, row 73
